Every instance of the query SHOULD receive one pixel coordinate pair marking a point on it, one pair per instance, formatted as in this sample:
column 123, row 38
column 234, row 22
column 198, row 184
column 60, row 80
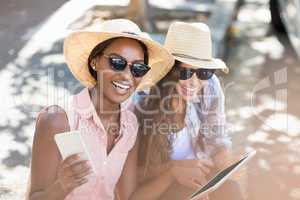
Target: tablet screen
column 218, row 177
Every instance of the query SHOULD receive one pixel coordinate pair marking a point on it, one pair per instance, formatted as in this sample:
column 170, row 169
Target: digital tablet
column 70, row 143
column 221, row 177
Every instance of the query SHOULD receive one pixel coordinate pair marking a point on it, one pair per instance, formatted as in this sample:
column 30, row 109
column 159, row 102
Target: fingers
column 204, row 169
column 196, row 183
column 78, row 169
column 68, row 169
column 73, row 179
column 78, row 182
column 83, row 174
column 81, row 182
column 197, row 176
column 81, row 169
column 206, row 166
column 73, row 172
column 80, row 166
column 224, row 159
column 236, row 158
column 203, row 164
column 191, row 184
column 206, row 162
column 71, row 159
column 206, row 197
column 200, row 179
column 79, row 179
column 194, row 163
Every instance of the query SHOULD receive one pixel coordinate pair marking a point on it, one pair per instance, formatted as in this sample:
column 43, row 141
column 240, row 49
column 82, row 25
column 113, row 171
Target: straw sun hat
column 79, row 44
column 191, row 43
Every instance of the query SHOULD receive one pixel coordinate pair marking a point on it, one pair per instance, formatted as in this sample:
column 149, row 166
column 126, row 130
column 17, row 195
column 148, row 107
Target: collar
column 84, row 106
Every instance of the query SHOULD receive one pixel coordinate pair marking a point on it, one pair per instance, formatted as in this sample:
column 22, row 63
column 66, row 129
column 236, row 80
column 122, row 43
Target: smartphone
column 70, row 143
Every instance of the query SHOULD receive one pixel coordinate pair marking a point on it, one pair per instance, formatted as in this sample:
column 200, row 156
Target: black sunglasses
column 118, row 63
column 202, row 74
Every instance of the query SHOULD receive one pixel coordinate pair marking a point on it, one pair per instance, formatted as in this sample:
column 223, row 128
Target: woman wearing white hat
column 182, row 126
column 111, row 60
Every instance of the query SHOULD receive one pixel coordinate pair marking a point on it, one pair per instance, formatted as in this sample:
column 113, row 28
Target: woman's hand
column 191, row 173
column 73, row 173
column 224, row 158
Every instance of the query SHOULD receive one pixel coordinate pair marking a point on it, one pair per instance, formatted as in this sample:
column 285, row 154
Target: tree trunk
column 138, row 11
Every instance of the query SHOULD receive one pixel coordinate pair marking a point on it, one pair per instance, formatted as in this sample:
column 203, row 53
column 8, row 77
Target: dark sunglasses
column 118, row 63
column 202, row 74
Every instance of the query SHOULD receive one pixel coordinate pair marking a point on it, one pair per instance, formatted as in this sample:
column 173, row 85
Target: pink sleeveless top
column 82, row 116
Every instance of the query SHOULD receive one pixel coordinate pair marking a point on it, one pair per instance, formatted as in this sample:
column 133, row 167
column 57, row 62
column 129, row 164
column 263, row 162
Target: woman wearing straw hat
column 111, row 60
column 181, row 134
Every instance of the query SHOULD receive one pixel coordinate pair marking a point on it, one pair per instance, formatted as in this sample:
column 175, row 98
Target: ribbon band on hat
column 189, row 57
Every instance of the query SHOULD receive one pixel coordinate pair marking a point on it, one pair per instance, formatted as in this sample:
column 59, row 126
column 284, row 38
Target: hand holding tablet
column 221, row 177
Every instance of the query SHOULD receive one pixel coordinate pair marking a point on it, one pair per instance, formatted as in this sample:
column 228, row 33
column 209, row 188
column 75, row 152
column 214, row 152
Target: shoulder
column 139, row 96
column 50, row 121
column 213, row 93
column 214, row 85
column 192, row 115
column 131, row 126
column 212, row 98
column 130, row 118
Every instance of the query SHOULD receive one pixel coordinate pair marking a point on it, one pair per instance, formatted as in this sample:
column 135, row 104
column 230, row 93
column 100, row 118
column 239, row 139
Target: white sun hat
column 191, row 43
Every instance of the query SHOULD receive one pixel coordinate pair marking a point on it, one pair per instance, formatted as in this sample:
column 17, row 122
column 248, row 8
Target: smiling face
column 117, row 86
column 189, row 89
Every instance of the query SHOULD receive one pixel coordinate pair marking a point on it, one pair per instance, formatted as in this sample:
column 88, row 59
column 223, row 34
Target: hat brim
column 213, row 63
column 78, row 46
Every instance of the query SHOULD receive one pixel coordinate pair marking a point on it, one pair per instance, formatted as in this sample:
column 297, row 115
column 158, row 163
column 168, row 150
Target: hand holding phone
column 73, row 172
column 71, row 143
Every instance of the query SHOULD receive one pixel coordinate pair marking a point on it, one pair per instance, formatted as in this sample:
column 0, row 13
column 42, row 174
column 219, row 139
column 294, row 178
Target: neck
column 104, row 107
column 178, row 117
column 179, row 105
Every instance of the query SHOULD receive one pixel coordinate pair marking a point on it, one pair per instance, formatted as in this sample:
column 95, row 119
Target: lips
column 122, row 87
column 188, row 91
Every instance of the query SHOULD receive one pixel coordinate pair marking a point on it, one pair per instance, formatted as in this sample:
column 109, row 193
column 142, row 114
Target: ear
column 94, row 64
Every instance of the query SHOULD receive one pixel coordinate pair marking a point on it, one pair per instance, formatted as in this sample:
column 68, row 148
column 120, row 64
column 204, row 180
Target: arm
column 188, row 173
column 153, row 188
column 211, row 111
column 129, row 175
column 53, row 192
column 51, row 178
column 46, row 158
column 128, row 180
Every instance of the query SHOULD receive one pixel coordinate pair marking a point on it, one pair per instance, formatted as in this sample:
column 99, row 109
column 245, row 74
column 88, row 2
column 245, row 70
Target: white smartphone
column 221, row 177
column 70, row 143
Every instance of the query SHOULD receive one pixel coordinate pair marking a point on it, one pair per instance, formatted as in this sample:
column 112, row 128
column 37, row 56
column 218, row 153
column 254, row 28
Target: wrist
column 169, row 176
column 59, row 189
column 170, row 171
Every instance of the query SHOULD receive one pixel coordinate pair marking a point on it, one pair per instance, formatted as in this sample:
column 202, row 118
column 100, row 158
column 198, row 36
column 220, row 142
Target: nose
column 193, row 81
column 127, row 73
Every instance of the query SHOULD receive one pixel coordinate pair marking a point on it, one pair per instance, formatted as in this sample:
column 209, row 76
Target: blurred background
column 259, row 40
